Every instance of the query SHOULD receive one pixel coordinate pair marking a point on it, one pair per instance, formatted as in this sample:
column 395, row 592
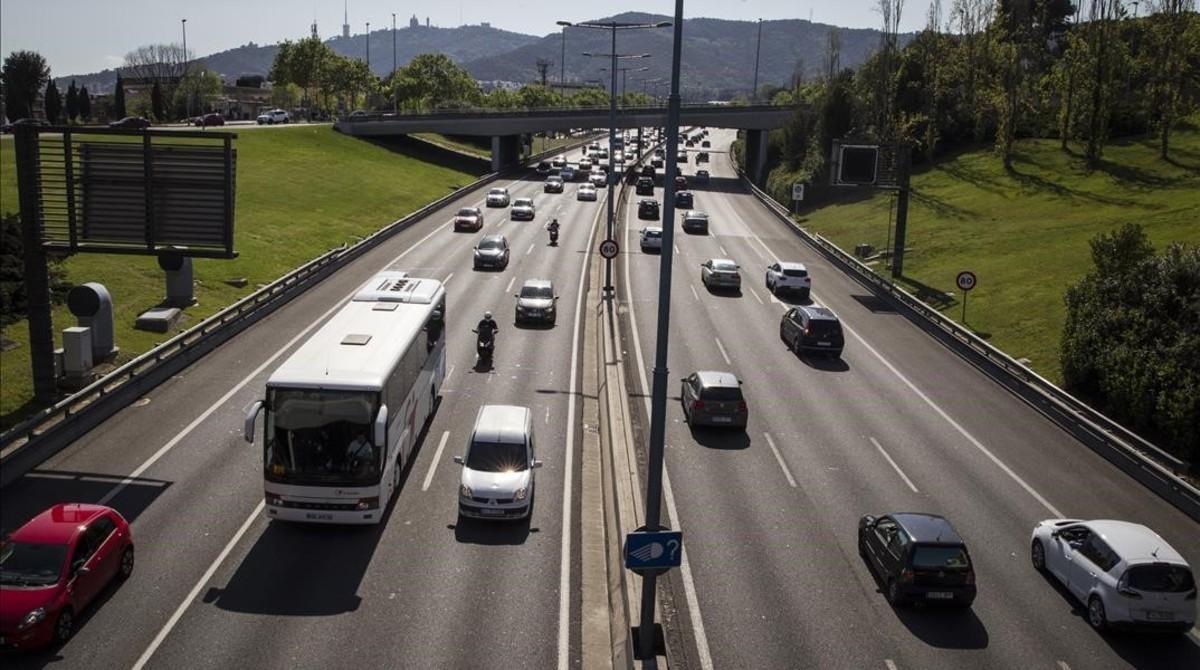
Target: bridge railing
column 492, row 112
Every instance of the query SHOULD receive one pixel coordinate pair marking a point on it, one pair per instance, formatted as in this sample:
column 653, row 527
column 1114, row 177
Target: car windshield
column 490, row 244
column 320, row 436
column 652, row 233
column 722, row 393
column 29, row 564
column 1161, row 578
column 466, row 211
column 497, row 457
column 537, row 292
column 497, row 191
column 940, row 558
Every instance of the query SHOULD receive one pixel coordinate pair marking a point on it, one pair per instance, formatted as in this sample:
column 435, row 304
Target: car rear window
column 823, row 327
column 724, row 267
column 721, row 393
column 653, row 233
column 795, row 273
column 1161, row 578
column 940, row 558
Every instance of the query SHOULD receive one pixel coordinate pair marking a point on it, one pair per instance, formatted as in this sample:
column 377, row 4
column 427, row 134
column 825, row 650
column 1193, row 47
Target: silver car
column 720, row 273
column 497, row 197
column 536, row 302
column 586, row 192
column 523, row 209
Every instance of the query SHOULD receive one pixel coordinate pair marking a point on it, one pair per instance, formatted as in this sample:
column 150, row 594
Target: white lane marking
column 755, row 294
column 447, row 279
column 962, row 431
column 894, row 466
column 212, row 568
column 694, row 294
column 676, row 248
column 722, row 348
column 891, row 665
column 547, row 419
column 507, row 288
column 437, row 456
column 779, row 457
column 530, row 249
column 448, row 373
column 564, row 571
column 1062, row 665
column 118, row 480
column 685, row 567
column 723, row 252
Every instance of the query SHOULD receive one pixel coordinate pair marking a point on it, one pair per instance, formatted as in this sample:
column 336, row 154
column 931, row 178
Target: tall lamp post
column 658, row 394
column 613, row 27
column 757, row 51
column 562, row 64
column 624, row 75
column 186, row 95
column 395, row 102
column 368, row 45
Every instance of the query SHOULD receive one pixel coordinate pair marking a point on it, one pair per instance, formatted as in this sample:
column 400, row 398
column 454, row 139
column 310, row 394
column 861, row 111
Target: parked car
column 695, row 221
column 789, row 277
column 273, row 116
column 586, row 192
column 713, row 398
column 131, row 123
column 648, row 209
column 684, row 199
column 54, row 566
column 211, row 119
column 523, row 210
column 1124, row 573
column 497, row 480
column 554, row 184
column 491, row 251
column 917, row 557
column 813, row 329
column 720, row 273
column 645, row 186
column 468, row 218
column 651, row 238
column 701, row 176
column 536, row 302
column 497, row 197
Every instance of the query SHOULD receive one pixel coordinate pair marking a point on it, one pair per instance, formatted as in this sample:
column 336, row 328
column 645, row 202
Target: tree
column 198, row 87
column 1174, row 40
column 156, row 103
column 72, row 102
column 300, row 63
column 85, row 104
column 118, row 106
column 1106, row 58
column 430, row 81
column 24, row 74
column 1131, row 341
column 53, row 102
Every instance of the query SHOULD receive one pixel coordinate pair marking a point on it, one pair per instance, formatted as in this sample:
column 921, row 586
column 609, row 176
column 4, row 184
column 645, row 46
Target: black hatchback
column 813, row 329
column 917, row 558
column 645, row 186
column 648, row 209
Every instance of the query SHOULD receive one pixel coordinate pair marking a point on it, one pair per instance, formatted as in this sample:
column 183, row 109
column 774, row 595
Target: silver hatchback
column 720, row 273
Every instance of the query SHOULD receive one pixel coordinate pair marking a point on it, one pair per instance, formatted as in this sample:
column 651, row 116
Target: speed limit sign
column 609, row 249
column 965, row 280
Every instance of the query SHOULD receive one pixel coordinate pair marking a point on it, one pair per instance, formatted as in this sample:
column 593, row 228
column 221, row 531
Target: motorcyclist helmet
column 487, row 316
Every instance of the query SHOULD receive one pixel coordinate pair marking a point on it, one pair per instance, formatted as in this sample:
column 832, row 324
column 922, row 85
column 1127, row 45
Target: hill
column 718, row 55
column 464, row 43
column 1025, row 232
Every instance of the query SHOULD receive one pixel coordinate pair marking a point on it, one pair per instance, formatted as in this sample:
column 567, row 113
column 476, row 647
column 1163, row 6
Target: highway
column 772, row 577
column 900, row 423
column 217, row 585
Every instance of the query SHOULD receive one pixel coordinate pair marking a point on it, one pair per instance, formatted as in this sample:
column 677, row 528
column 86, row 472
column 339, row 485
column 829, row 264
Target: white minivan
column 497, row 480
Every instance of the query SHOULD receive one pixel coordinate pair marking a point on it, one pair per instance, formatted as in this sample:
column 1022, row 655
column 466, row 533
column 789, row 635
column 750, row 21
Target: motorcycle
column 485, row 346
column 554, row 237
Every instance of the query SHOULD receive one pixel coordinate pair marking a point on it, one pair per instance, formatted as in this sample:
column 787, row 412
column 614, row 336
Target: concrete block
column 158, row 319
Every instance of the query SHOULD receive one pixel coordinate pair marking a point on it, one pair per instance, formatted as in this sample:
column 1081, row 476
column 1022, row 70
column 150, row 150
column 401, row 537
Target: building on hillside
column 414, row 22
column 243, row 102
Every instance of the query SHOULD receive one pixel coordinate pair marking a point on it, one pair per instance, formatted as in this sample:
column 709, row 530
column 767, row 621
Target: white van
column 497, row 480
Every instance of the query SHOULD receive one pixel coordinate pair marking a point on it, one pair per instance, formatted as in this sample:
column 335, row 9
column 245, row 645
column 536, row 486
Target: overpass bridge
column 505, row 127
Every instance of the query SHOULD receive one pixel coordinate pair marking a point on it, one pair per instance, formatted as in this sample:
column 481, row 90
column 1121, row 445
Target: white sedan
column 598, row 178
column 1124, row 573
column 497, row 197
column 586, row 192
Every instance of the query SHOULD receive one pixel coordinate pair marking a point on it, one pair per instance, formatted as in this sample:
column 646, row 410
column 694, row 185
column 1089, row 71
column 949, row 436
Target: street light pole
column 368, row 45
column 757, row 51
column 395, row 102
column 186, row 95
column 562, row 67
column 658, row 401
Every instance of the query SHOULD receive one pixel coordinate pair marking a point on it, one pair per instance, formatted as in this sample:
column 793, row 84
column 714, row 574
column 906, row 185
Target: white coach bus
column 342, row 415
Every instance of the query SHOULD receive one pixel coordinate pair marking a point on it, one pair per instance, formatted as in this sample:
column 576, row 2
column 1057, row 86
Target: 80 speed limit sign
column 965, row 280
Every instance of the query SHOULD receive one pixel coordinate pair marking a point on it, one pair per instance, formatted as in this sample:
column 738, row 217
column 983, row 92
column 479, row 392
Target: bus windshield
column 323, row 437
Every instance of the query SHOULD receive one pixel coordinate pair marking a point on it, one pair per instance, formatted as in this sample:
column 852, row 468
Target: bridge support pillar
column 506, row 151
column 756, row 156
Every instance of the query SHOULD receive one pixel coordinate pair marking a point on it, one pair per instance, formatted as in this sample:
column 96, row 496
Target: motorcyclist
column 487, row 328
column 553, row 228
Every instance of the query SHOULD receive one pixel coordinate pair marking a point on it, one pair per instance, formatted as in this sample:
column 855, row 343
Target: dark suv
column 648, row 209
column 684, row 199
column 812, row 328
column 645, row 186
column 918, row 558
column 713, row 399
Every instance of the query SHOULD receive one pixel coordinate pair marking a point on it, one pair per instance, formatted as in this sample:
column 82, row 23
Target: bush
column 13, row 300
column 1131, row 342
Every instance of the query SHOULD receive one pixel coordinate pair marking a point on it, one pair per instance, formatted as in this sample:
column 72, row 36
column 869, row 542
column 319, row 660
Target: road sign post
column 609, row 249
column 965, row 282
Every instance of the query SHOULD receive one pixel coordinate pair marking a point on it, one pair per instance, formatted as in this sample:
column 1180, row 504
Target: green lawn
column 459, row 144
column 1025, row 233
column 301, row 191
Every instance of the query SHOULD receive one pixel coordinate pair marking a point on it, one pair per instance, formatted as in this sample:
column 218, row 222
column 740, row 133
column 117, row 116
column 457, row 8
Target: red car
column 53, row 566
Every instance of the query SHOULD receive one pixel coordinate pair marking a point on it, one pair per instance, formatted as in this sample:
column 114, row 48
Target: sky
column 83, row 36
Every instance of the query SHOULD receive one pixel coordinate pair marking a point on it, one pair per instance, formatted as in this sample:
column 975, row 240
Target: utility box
column 93, row 308
column 77, row 356
column 180, row 291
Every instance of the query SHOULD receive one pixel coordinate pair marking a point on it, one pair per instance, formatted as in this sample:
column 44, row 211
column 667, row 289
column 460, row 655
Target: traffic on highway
column 389, row 470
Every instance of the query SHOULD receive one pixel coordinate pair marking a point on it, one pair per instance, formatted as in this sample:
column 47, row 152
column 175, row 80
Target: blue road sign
column 653, row 551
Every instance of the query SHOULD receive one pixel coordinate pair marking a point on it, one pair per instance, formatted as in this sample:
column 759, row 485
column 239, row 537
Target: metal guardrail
column 474, row 112
column 40, row 436
column 1150, row 465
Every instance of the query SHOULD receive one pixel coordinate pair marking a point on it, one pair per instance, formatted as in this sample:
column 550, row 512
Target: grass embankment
column 300, row 192
column 482, row 146
column 1025, row 232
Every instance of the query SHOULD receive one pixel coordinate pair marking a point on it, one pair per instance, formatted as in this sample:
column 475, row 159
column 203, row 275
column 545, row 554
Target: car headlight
column 520, row 494
column 34, row 617
column 478, row 253
column 464, row 491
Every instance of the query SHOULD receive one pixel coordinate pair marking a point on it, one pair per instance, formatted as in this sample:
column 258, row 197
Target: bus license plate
column 318, row 517
column 939, row 595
